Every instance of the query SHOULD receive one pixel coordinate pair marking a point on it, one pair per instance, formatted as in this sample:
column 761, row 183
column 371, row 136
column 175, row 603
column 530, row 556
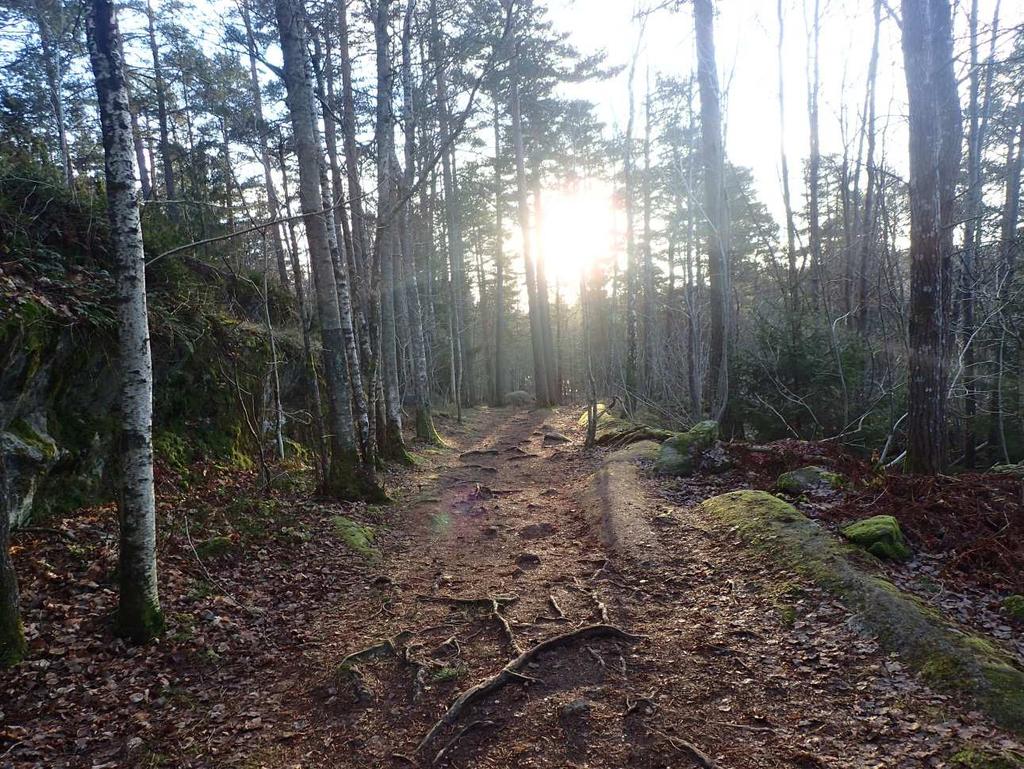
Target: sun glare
column 576, row 230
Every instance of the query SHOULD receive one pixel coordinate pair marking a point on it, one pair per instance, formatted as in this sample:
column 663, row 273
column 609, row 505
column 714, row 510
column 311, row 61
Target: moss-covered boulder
column 808, row 479
column 881, row 536
column 1014, row 606
column 680, row 454
column 944, row 655
column 356, row 535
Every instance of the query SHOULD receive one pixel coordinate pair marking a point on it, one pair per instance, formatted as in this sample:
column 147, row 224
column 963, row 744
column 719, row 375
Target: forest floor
column 288, row 649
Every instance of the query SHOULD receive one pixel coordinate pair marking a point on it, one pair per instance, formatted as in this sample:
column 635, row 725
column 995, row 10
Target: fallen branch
column 511, row 673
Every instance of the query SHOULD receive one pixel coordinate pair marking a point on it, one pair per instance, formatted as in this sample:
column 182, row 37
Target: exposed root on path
column 511, row 672
column 458, row 736
column 683, row 746
column 349, row 667
column 492, row 603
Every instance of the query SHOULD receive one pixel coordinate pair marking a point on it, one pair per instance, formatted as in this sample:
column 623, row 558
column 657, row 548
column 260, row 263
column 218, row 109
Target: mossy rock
column 808, row 479
column 980, row 757
column 680, row 454
column 1014, row 606
column 619, row 431
column 947, row 657
column 356, row 535
column 881, row 536
column 584, row 419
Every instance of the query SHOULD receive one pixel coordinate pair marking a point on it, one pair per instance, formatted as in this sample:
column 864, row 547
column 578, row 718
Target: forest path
column 741, row 664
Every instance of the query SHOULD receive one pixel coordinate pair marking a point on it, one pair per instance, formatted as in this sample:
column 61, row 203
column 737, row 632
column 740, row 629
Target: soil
column 492, row 547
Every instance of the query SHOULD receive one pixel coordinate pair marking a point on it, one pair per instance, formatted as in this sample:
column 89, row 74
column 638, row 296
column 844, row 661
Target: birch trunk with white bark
column 139, row 616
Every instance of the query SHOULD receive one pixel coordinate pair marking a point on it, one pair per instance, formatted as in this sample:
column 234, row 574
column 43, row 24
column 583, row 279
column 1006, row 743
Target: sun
column 576, row 230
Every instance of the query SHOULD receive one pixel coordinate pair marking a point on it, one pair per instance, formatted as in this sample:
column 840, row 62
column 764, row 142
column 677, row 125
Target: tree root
column 492, row 603
column 387, row 646
column 683, row 746
column 458, row 736
column 511, row 672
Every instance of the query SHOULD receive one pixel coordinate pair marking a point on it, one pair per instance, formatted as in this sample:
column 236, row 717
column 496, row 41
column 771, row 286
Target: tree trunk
column 500, row 321
column 12, row 635
column 170, row 185
column 454, row 220
column 406, row 266
column 714, row 208
column 934, row 124
column 273, row 204
column 139, row 616
column 348, row 476
column 55, row 84
column 392, row 443
column 540, row 376
column 867, row 235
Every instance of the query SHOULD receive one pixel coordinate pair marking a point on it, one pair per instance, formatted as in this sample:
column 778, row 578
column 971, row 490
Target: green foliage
column 1014, row 606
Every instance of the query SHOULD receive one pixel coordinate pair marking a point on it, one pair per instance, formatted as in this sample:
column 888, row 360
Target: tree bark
column 935, row 129
column 540, row 375
column 714, row 208
column 159, row 86
column 500, row 321
column 273, row 204
column 139, row 616
column 349, row 477
column 12, row 635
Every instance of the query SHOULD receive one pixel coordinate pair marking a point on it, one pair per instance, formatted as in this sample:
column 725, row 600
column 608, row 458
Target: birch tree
column 139, row 616
column 350, row 475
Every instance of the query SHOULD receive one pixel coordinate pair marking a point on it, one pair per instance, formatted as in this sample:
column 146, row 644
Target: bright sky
column 746, row 40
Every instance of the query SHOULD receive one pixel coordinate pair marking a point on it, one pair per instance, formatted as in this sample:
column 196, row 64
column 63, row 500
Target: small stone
column 575, row 709
column 528, row 560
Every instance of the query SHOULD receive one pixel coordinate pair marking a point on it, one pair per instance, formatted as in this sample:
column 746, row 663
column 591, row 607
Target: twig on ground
column 556, row 607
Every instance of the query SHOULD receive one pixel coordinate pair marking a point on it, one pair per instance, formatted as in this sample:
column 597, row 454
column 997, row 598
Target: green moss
column 680, row 453
column 787, row 614
column 881, row 536
column 807, row 479
column 942, row 653
column 981, row 757
column 1014, row 606
column 33, row 438
column 357, row 536
column 584, row 419
column 12, row 642
column 448, row 673
column 138, row 619
column 214, row 547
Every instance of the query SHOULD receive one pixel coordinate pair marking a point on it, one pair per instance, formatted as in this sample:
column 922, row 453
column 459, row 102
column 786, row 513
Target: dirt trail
column 494, row 550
